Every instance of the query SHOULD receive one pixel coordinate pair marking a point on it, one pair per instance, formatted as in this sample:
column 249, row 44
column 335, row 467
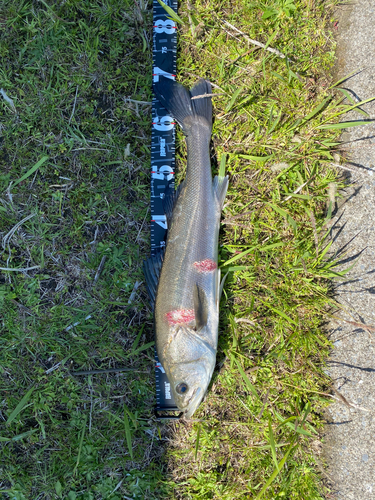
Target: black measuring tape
column 162, row 168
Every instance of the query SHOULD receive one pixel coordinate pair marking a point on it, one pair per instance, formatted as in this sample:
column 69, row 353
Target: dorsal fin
column 151, row 268
column 170, row 200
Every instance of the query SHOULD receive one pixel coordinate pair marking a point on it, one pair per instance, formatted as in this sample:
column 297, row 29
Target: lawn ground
column 74, row 226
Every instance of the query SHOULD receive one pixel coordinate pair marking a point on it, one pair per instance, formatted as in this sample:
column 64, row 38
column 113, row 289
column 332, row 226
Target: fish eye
column 181, row 388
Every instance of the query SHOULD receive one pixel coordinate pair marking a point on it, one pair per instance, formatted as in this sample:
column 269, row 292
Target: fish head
column 191, row 362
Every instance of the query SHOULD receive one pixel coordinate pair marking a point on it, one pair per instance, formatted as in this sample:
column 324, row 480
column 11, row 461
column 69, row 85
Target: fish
column 183, row 281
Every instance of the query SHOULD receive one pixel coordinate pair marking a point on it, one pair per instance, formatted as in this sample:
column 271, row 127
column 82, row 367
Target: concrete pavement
column 349, row 441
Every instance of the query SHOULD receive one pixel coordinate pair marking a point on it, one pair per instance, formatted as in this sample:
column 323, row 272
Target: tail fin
column 177, row 99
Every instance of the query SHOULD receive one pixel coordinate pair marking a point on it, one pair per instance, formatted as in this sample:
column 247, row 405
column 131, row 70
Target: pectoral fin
column 200, row 307
column 220, row 187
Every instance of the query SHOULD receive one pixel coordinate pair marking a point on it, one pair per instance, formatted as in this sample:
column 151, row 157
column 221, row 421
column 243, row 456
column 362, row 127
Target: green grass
column 69, row 70
column 74, row 168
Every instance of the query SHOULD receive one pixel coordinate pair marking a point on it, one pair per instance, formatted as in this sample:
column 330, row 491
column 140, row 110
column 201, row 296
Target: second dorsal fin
column 170, row 200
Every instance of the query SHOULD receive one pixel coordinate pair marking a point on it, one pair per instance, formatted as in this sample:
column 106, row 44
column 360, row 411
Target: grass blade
column 281, row 78
column 141, row 348
column 24, row 435
column 18, row 437
column 328, row 246
column 20, row 406
column 239, row 256
column 306, row 413
column 223, row 161
column 300, row 196
column 233, row 99
column 272, row 443
column 242, row 254
column 285, row 214
column 275, row 472
column 128, row 434
column 197, row 443
column 294, row 426
column 171, row 12
column 268, row 447
column 316, row 110
column 350, row 98
column 80, row 445
column 313, row 113
column 231, row 269
column 280, row 313
column 350, row 108
column 345, row 78
column 337, row 126
column 32, row 170
column 275, row 123
column 260, row 159
column 136, row 342
column 284, row 422
column 245, row 377
column 298, row 429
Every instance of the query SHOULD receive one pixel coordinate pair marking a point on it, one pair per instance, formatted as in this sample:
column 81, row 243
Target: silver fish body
column 187, row 297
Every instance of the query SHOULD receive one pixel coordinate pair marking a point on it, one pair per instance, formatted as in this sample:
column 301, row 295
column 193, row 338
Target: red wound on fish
column 205, row 266
column 180, row 316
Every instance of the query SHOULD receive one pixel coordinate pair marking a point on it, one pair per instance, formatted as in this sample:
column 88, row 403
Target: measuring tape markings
column 162, row 159
column 163, row 126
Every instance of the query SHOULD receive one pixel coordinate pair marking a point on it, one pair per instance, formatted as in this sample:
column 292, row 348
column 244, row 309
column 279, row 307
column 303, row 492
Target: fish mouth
column 193, row 403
